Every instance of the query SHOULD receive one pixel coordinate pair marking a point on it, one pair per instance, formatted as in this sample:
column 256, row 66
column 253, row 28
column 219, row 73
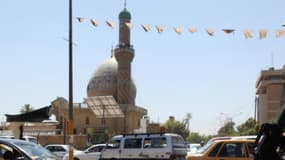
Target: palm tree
column 26, row 108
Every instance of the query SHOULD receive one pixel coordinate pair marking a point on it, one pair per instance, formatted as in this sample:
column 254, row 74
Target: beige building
column 270, row 88
column 109, row 107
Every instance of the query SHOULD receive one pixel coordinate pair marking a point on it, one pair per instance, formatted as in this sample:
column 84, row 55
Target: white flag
column 210, row 31
column 145, row 27
column 279, row 33
column 80, row 19
column 247, row 33
column 129, row 25
column 159, row 28
column 94, row 22
column 262, row 33
column 110, row 24
column 178, row 30
column 192, row 30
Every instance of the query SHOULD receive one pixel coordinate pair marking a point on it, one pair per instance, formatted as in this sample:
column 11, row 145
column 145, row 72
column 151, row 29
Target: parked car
column 226, row 148
column 145, row 146
column 59, row 149
column 30, row 139
column 193, row 147
column 91, row 153
column 20, row 149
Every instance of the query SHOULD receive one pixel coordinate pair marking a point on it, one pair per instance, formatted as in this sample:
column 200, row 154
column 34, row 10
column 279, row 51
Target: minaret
column 124, row 54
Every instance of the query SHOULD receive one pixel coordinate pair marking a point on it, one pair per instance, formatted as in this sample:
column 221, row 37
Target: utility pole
column 70, row 122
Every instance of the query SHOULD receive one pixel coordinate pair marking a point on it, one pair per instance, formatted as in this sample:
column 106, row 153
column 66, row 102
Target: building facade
column 270, row 88
column 109, row 107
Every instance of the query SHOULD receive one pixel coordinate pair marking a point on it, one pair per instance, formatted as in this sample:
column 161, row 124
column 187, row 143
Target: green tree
column 227, row 129
column 249, row 127
column 26, row 108
column 195, row 137
column 174, row 126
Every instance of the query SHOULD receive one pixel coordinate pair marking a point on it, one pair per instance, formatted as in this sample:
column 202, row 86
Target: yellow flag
column 210, row 31
column 145, row 27
column 129, row 25
column 178, row 30
column 159, row 28
column 94, row 22
column 110, row 24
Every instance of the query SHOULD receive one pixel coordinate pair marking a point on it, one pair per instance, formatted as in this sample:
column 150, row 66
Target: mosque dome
column 104, row 80
column 125, row 14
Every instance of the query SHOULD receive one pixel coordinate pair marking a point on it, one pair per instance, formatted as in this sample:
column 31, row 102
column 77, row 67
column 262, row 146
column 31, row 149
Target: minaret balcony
column 124, row 48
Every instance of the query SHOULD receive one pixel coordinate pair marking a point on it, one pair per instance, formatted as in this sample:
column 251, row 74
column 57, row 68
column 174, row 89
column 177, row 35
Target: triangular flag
column 192, row 30
column 279, row 33
column 145, row 27
column 159, row 28
column 210, row 31
column 247, row 33
column 177, row 30
column 129, row 25
column 110, row 24
column 228, row 31
column 80, row 19
column 94, row 22
column 262, row 33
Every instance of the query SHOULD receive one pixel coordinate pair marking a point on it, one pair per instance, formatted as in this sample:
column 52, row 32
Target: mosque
column 110, row 106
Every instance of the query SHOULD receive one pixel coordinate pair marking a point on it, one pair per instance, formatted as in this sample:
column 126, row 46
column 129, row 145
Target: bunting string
column 247, row 33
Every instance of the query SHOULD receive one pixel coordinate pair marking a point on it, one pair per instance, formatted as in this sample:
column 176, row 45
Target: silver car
column 24, row 150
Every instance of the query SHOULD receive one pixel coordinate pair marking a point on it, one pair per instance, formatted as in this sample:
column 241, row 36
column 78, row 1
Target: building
column 109, row 107
column 270, row 88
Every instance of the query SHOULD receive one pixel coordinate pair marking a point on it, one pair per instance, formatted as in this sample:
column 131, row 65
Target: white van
column 145, row 146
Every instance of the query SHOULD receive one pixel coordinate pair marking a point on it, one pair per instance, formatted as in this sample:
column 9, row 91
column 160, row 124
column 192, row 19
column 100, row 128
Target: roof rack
column 148, row 134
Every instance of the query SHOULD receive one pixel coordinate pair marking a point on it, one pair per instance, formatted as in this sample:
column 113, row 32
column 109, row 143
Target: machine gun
column 270, row 142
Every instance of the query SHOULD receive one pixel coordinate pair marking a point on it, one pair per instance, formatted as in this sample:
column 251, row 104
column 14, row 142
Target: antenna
column 112, row 51
column 125, row 3
column 272, row 59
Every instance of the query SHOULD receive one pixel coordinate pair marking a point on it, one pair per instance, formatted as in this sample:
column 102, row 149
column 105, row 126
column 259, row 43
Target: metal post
column 70, row 130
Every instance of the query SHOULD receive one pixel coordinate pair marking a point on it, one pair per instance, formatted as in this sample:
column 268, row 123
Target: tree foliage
column 26, row 108
column 227, row 129
column 249, row 127
column 174, row 126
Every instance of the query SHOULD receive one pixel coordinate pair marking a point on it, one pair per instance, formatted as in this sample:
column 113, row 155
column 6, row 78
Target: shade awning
column 34, row 116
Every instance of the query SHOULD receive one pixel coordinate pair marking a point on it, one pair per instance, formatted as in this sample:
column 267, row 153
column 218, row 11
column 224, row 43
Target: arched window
column 87, row 120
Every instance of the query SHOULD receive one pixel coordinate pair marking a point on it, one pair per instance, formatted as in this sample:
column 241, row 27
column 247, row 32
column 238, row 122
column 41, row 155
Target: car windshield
column 36, row 152
column 205, row 147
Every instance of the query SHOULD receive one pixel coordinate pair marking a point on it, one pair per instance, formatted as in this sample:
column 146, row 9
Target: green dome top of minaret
column 125, row 14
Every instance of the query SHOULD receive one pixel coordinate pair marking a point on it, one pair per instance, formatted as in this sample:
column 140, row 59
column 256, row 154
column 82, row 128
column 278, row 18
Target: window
column 156, row 142
column 232, row 150
column 133, row 143
column 96, row 149
column 87, row 121
column 113, row 144
column 250, row 149
column 214, row 152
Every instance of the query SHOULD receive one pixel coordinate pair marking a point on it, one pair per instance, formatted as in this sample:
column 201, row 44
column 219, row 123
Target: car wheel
column 75, row 158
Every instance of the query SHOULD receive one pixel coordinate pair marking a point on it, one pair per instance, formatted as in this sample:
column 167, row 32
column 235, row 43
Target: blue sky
column 210, row 77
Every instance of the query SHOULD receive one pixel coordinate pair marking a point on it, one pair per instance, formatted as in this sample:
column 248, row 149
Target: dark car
column 23, row 150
